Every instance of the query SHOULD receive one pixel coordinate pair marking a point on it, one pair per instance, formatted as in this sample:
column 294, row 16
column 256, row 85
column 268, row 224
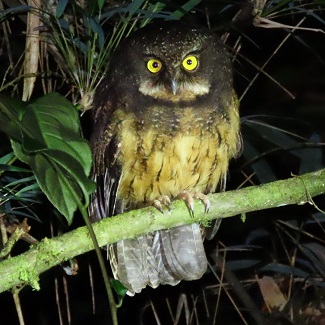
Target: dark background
column 299, row 67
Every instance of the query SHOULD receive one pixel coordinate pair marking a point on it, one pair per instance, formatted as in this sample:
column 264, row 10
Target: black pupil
column 189, row 62
column 155, row 64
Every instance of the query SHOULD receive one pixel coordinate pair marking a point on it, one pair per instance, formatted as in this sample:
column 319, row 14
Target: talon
column 203, row 198
column 165, row 200
column 189, row 201
column 158, row 203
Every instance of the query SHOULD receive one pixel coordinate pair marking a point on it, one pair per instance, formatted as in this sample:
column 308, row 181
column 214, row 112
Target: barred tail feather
column 133, row 264
column 162, row 257
column 183, row 253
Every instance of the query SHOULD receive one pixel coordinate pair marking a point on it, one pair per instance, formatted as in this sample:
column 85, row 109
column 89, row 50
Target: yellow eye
column 190, row 62
column 154, row 65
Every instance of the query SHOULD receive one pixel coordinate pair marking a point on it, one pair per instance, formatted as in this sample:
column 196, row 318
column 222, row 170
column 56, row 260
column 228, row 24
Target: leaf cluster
column 46, row 135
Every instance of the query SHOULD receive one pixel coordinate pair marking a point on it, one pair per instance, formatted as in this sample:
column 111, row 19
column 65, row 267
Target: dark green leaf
column 311, row 158
column 284, row 269
column 255, row 235
column 98, row 30
column 11, row 110
column 14, row 10
column 188, row 6
column 261, row 168
column 54, row 149
column 54, row 124
column 292, row 271
column 5, row 159
column 115, row 11
column 52, row 171
column 118, row 287
column 134, row 6
column 100, row 4
column 60, row 7
column 242, row 264
column 317, row 218
column 275, row 135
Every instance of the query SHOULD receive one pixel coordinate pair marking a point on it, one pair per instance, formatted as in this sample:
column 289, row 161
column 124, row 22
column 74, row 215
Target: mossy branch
column 26, row 267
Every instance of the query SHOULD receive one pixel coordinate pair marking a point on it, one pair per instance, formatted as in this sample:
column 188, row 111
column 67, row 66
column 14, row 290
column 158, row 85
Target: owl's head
column 172, row 61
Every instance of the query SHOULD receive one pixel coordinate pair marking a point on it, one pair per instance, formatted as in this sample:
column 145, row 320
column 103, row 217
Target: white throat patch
column 185, row 92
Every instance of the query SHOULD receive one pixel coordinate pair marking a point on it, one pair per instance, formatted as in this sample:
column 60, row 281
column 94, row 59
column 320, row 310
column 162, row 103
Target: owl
column 166, row 124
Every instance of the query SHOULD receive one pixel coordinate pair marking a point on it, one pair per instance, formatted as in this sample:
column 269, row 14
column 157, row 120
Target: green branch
column 26, row 267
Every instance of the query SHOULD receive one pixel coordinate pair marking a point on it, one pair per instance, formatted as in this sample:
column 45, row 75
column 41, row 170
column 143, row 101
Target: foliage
column 76, row 42
column 46, row 135
column 18, row 189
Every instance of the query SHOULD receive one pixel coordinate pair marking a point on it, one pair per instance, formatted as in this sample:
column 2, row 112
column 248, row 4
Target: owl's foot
column 160, row 202
column 188, row 198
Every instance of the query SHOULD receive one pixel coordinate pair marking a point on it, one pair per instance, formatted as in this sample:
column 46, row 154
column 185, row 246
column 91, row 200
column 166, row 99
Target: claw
column 157, row 204
column 165, row 200
column 204, row 200
column 189, row 201
column 188, row 198
column 160, row 202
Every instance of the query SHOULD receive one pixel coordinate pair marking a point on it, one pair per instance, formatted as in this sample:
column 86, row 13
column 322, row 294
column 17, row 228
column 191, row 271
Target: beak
column 174, row 86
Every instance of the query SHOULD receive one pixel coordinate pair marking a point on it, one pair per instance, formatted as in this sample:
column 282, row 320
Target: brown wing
column 106, row 172
column 211, row 231
column 104, row 202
